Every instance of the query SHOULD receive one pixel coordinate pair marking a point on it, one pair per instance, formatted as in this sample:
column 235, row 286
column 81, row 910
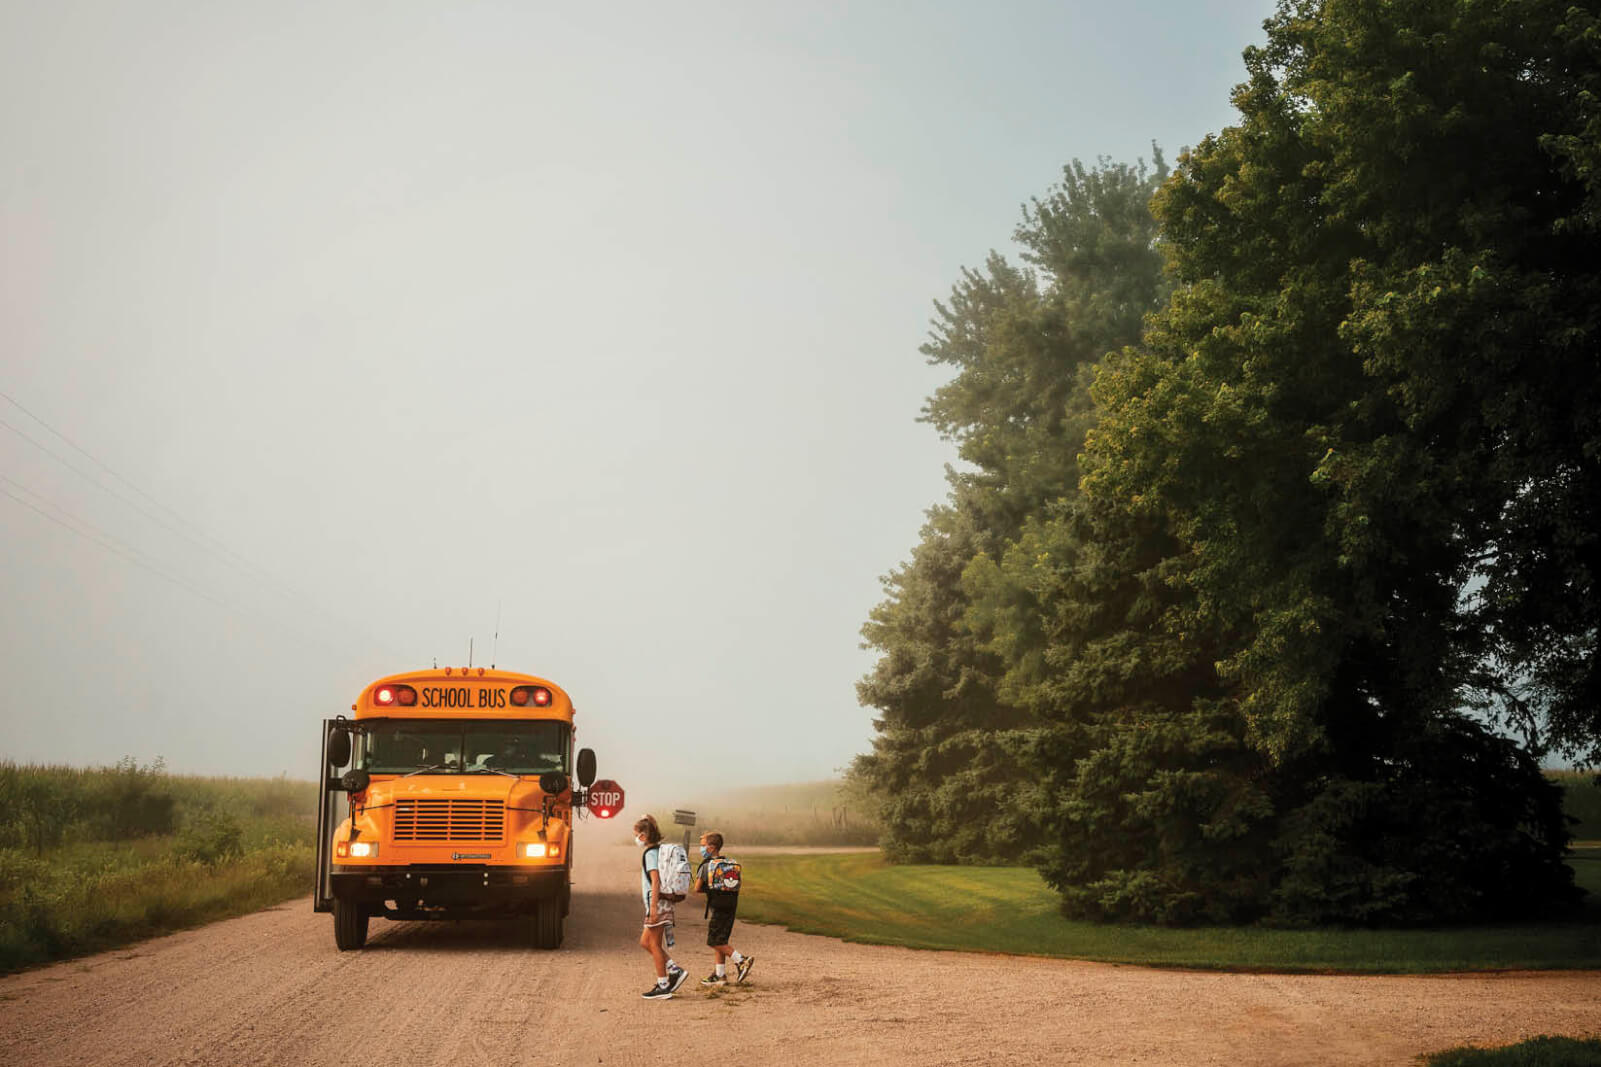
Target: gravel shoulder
column 270, row 989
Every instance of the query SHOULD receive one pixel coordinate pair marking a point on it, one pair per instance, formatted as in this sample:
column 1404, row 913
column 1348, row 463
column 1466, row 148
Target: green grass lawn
column 859, row 897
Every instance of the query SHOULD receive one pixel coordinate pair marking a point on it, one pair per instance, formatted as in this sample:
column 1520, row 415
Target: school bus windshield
column 425, row 746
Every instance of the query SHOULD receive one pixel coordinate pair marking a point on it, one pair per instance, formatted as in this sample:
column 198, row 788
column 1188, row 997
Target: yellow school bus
column 460, row 803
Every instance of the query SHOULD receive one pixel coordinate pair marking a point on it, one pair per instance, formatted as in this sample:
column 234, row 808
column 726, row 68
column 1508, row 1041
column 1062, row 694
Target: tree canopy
column 1272, row 573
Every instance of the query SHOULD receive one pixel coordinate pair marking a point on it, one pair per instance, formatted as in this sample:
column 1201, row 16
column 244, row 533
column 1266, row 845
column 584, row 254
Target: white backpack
column 673, row 865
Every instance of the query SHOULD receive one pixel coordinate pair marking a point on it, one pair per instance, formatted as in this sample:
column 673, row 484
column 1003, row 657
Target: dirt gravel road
column 270, row 989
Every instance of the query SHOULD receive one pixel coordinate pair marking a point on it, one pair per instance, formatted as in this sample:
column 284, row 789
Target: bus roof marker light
column 447, row 672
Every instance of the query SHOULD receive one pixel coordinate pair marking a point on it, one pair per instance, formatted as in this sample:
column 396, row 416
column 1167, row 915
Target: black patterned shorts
column 719, row 926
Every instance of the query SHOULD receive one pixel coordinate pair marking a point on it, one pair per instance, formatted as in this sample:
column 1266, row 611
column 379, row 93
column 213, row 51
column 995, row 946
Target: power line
column 147, row 513
column 90, row 532
column 14, row 402
column 216, row 547
column 199, row 537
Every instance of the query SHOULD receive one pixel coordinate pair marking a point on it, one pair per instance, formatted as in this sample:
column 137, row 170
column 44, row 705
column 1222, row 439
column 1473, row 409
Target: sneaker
column 658, row 992
column 676, row 978
column 714, row 979
column 743, row 967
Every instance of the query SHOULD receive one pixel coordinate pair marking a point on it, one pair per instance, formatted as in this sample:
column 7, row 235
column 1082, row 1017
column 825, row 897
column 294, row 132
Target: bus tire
column 548, row 923
column 350, row 925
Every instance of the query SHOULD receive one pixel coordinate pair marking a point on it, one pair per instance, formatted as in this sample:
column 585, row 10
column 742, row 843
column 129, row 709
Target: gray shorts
column 665, row 920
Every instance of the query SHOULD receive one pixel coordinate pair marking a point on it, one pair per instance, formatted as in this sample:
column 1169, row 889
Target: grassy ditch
column 1535, row 1052
column 95, row 858
column 862, row 898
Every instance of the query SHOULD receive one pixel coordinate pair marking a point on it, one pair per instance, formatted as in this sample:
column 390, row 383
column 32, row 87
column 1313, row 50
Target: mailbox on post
column 685, row 819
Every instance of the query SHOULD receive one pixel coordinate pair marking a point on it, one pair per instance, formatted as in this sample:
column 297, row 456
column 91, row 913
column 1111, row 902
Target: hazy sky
column 365, row 319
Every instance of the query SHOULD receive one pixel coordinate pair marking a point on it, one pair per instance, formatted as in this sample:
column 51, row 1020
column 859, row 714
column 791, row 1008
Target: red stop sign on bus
column 605, row 798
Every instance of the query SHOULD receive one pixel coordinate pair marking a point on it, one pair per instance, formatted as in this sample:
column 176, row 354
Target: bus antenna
column 495, row 648
column 469, row 652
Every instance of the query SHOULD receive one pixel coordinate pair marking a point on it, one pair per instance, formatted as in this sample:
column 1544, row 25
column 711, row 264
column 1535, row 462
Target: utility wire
column 14, row 402
column 87, row 530
column 90, row 532
column 215, row 547
column 146, row 512
column 198, row 537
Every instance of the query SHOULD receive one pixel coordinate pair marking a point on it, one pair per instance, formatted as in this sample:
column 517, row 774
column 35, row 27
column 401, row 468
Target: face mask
column 704, row 852
column 639, row 839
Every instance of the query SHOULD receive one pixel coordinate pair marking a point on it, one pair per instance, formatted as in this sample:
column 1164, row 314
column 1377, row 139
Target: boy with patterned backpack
column 719, row 879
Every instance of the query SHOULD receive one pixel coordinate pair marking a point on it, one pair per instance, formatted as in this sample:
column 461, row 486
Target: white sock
column 661, row 983
column 722, row 972
column 736, row 957
column 671, row 966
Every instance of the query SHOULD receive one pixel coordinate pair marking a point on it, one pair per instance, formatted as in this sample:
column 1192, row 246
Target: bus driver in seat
column 511, row 754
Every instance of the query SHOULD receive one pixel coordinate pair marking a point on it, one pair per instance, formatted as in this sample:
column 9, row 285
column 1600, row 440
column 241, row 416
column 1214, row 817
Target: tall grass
column 803, row 814
column 91, row 858
column 1581, row 799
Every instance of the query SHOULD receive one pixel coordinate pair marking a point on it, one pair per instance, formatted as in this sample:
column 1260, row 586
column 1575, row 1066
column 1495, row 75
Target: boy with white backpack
column 719, row 878
column 664, row 881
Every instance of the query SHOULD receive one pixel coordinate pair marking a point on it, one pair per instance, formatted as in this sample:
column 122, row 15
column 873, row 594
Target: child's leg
column 651, row 941
column 718, row 933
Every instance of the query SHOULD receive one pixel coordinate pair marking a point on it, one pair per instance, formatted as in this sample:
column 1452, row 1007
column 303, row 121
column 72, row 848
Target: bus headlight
column 364, row 849
column 537, row 850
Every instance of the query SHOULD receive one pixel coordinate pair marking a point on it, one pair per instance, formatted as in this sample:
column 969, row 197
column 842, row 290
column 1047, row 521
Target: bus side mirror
column 586, row 767
column 338, row 747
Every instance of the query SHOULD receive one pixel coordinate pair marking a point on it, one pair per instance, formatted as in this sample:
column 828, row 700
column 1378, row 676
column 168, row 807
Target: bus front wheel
column 547, row 923
column 350, row 924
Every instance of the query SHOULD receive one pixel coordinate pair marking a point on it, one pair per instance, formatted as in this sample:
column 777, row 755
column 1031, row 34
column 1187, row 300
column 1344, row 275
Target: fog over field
column 331, row 334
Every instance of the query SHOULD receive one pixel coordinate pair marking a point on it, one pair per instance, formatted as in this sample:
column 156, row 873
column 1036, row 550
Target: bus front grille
column 449, row 820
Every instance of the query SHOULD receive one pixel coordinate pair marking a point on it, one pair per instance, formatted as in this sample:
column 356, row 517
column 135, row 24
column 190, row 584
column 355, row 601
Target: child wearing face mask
column 657, row 936
column 720, row 907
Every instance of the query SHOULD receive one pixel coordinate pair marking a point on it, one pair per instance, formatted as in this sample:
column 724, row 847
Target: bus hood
column 514, row 793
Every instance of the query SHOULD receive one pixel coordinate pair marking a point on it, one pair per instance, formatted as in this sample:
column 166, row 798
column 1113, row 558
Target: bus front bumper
column 439, row 891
